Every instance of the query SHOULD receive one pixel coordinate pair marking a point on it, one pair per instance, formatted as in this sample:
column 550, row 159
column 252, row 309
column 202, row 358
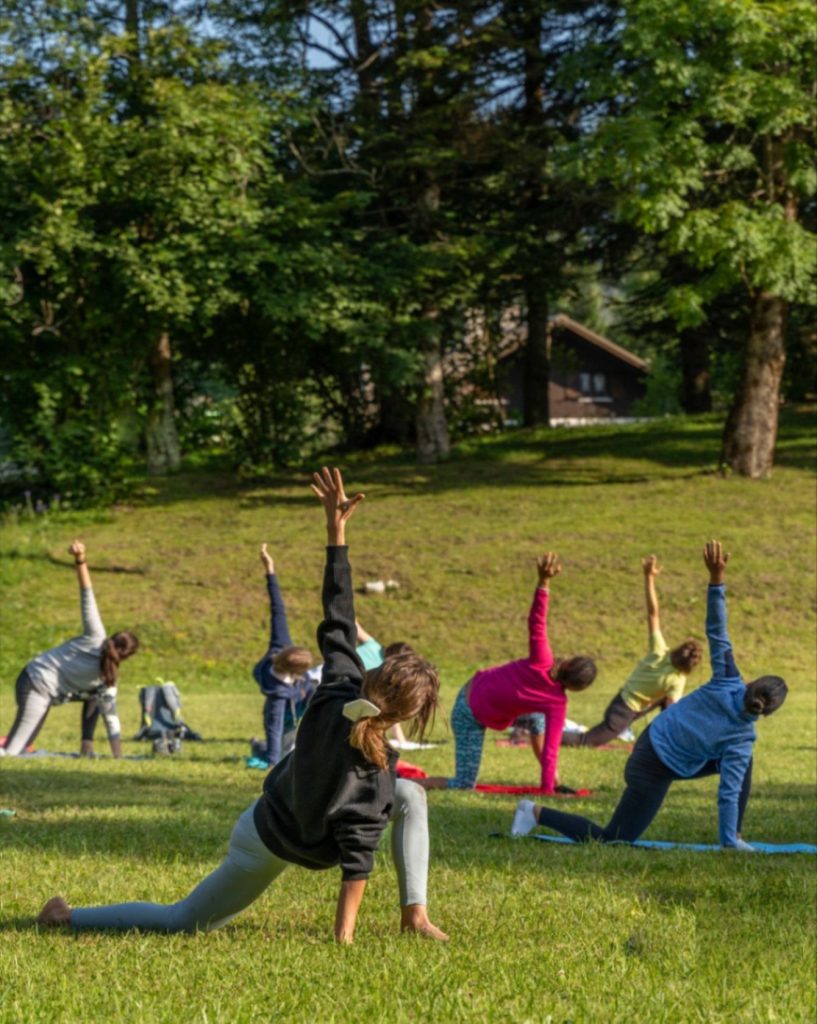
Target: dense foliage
column 268, row 229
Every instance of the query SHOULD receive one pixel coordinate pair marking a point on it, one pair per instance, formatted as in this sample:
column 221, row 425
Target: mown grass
column 538, row 933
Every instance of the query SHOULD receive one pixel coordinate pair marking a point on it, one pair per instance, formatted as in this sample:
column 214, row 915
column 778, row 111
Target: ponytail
column 367, row 737
column 114, row 650
column 405, row 689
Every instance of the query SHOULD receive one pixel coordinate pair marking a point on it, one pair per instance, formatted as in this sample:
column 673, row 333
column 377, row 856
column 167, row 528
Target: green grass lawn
column 538, row 933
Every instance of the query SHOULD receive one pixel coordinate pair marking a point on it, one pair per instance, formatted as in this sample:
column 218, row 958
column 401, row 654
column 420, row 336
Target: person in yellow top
column 657, row 681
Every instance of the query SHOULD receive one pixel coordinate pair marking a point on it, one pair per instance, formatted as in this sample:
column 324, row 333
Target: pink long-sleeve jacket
column 499, row 695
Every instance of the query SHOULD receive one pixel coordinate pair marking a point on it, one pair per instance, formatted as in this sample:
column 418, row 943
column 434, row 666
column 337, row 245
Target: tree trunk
column 695, row 386
column 432, row 427
column 537, row 352
column 751, row 428
column 537, row 359
column 163, row 450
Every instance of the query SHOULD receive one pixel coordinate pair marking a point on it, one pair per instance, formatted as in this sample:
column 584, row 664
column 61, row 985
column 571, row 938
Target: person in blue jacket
column 280, row 675
column 709, row 732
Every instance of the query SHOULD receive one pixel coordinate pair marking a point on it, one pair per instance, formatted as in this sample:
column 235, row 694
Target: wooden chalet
column 591, row 377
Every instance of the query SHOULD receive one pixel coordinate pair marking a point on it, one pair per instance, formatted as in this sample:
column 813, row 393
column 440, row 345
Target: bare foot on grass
column 56, row 913
column 414, row 919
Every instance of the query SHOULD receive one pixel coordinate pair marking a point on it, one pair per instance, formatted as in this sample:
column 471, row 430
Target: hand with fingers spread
column 327, row 486
column 715, row 559
column 650, row 566
column 548, row 566
column 266, row 561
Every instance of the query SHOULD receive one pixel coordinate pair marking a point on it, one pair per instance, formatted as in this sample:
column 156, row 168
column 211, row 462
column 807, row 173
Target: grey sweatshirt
column 72, row 669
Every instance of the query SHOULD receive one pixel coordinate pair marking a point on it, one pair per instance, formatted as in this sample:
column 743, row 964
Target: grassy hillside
column 538, row 933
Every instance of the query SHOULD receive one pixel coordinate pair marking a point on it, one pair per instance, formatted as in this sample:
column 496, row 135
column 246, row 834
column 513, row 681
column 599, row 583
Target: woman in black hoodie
column 328, row 802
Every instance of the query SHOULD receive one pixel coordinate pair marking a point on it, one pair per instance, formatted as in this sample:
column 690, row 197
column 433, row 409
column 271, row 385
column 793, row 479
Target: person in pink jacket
column 493, row 698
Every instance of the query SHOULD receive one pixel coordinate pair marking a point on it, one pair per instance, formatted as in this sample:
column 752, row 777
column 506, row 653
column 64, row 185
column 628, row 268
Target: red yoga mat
column 411, row 771
column 490, row 787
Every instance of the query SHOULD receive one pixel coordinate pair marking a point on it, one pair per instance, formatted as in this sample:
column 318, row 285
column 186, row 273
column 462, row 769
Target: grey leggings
column 250, row 867
column 32, row 708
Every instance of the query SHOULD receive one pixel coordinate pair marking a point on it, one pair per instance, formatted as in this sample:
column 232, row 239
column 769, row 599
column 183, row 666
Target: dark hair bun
column 765, row 695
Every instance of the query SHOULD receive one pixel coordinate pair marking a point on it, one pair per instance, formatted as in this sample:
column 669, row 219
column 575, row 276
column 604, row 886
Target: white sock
column 524, row 820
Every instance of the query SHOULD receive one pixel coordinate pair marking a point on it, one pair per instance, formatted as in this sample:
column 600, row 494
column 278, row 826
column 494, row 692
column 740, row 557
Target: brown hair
column 293, row 661
column 115, row 649
column 404, row 687
column 687, row 656
column 576, row 673
column 398, row 647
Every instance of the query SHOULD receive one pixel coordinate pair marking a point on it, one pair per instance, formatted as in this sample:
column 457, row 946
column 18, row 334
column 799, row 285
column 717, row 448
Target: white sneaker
column 524, row 820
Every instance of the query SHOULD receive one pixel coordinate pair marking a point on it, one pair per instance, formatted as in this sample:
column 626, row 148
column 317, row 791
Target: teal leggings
column 469, row 736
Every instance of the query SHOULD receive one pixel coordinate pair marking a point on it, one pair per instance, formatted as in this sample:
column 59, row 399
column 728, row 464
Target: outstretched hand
column 715, row 560
column 327, row 486
column 548, row 567
column 266, row 560
column 650, row 566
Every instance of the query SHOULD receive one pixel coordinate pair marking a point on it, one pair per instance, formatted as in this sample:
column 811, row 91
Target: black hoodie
column 324, row 804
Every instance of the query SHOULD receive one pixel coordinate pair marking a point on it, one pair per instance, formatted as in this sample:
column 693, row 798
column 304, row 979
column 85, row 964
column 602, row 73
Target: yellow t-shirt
column 653, row 678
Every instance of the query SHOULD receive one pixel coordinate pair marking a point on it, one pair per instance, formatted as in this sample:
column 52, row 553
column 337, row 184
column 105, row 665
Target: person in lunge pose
column 709, row 732
column 657, row 681
column 495, row 697
column 280, row 675
column 327, row 803
column 84, row 668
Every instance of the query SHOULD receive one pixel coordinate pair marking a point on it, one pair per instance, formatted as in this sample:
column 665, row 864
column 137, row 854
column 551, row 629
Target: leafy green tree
column 712, row 151
column 130, row 224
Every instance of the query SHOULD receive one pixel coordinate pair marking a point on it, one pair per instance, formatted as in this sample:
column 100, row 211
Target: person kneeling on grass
column 495, row 697
column 709, row 732
column 657, row 681
column 328, row 802
column 280, row 675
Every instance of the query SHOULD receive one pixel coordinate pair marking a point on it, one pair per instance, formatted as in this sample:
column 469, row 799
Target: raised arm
column 337, row 633
column 651, row 570
column 279, row 628
column 540, row 654
column 77, row 549
column 362, row 636
column 720, row 646
column 91, row 621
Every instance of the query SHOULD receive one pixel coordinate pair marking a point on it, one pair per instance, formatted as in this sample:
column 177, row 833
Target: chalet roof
column 515, row 336
column 562, row 320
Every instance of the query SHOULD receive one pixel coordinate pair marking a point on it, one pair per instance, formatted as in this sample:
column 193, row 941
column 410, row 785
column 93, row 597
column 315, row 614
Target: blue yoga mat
column 654, row 844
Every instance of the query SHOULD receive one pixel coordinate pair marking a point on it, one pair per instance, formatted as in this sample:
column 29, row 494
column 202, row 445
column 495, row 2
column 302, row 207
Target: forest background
column 264, row 229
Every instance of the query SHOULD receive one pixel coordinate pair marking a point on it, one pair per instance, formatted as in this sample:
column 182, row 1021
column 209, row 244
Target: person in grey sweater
column 84, row 668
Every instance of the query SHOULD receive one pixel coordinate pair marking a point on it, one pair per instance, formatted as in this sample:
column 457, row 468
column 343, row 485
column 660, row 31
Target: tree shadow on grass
column 64, row 563
column 51, row 789
column 676, row 449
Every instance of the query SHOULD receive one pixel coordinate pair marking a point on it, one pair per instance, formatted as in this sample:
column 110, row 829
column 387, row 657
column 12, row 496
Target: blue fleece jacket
column 710, row 724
